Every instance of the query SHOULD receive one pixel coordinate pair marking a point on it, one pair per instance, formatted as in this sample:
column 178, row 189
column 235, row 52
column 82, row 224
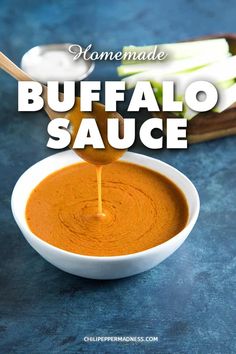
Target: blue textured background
column 188, row 300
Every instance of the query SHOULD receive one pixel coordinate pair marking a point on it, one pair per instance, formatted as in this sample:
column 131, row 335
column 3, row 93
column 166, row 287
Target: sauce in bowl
column 141, row 209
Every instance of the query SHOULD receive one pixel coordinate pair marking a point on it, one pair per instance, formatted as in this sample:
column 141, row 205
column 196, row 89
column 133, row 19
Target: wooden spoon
column 94, row 156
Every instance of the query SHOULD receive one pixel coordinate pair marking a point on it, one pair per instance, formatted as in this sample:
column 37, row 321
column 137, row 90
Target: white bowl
column 113, row 267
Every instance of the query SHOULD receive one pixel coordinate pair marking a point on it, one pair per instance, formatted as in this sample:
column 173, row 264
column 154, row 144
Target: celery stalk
column 225, row 84
column 180, row 50
column 167, row 68
column 171, row 66
column 222, row 70
column 216, row 73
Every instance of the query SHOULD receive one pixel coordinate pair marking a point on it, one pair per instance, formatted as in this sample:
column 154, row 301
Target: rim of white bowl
column 126, row 157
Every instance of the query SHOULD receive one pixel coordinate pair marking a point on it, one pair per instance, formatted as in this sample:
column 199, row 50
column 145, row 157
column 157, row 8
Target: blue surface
column 188, row 300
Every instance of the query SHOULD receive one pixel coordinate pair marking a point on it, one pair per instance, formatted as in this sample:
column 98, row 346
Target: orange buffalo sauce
column 142, row 209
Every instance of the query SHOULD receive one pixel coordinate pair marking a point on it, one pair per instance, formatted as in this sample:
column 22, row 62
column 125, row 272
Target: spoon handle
column 7, row 65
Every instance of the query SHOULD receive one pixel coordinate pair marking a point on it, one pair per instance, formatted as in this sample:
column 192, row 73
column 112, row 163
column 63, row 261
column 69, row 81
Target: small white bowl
column 34, row 60
column 113, row 267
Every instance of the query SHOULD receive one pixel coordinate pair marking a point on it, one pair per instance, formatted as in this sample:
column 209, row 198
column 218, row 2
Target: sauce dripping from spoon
column 97, row 157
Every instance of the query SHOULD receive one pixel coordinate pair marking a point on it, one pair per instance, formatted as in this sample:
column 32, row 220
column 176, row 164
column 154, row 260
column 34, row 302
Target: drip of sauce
column 142, row 209
column 99, row 157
